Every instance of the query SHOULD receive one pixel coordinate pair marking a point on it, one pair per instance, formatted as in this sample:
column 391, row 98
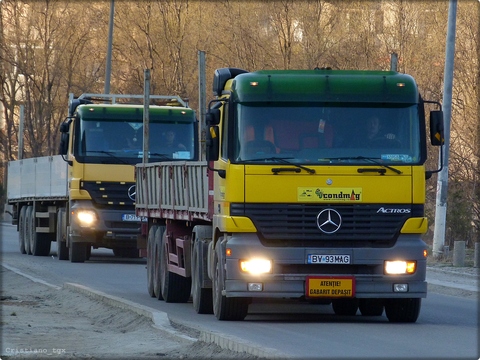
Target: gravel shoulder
column 39, row 321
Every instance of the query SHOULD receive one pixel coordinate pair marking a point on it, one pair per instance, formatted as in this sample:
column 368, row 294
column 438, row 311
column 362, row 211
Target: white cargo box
column 37, row 178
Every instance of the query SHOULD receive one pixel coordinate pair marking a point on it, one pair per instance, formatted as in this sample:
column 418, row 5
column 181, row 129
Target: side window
column 224, row 132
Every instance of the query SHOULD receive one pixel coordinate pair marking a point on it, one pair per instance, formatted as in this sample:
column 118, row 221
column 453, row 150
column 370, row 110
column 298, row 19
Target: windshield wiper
column 108, row 153
column 162, row 156
column 285, row 161
column 373, row 160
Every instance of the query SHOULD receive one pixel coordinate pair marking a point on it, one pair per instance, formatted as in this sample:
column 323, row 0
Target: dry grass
column 447, row 260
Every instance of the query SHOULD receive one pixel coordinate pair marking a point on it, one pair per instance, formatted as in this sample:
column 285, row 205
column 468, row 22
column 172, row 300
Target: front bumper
column 108, row 230
column 290, row 271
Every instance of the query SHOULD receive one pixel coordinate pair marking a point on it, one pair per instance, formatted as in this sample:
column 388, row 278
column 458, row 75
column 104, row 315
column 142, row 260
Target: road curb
column 162, row 322
column 159, row 318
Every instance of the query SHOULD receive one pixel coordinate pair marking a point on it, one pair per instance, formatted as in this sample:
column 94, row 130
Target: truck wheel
column 77, row 252
column 175, row 288
column 39, row 242
column 42, row 244
column 150, row 260
column 347, row 307
column 156, row 259
column 225, row 308
column 371, row 307
column 202, row 297
column 27, row 229
column 403, row 310
column 62, row 250
column 21, row 230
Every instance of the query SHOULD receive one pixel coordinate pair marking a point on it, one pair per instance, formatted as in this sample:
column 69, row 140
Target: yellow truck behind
column 84, row 198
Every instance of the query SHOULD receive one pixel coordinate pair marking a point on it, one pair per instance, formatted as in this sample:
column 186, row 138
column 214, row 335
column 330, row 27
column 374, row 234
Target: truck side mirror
column 64, row 129
column 63, row 149
column 213, row 116
column 436, row 128
column 213, row 143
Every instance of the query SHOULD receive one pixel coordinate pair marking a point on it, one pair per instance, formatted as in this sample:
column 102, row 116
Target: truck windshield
column 333, row 134
column 109, row 141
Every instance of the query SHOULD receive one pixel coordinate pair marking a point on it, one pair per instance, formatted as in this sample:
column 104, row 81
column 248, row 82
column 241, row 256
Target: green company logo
column 328, row 194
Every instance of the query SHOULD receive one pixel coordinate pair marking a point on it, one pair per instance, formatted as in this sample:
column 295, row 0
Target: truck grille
column 296, row 224
column 106, row 194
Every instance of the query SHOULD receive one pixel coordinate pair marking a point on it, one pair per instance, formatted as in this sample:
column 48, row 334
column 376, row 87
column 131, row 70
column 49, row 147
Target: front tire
column 225, row 308
column 62, row 250
column 403, row 310
column 77, row 252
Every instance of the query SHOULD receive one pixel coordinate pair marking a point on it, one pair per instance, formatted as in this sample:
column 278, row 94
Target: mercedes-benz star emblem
column 132, row 191
column 329, row 221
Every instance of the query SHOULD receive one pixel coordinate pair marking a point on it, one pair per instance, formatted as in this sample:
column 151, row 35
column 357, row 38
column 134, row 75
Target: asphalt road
column 447, row 326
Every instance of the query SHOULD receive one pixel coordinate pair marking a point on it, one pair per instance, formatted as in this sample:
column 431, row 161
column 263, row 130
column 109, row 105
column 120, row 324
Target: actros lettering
column 393, row 211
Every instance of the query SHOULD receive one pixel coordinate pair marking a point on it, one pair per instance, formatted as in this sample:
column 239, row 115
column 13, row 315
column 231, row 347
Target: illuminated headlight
column 256, row 266
column 86, row 217
column 400, row 267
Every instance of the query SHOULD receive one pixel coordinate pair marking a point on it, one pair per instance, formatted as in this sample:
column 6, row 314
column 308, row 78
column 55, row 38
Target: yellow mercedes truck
column 84, row 198
column 314, row 189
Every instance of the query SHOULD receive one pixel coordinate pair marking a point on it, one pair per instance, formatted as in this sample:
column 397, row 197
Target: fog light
column 256, row 266
column 400, row 287
column 255, row 287
column 400, row 267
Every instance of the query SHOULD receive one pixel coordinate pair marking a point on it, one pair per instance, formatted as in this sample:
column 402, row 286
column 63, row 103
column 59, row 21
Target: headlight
column 400, row 267
column 256, row 266
column 86, row 217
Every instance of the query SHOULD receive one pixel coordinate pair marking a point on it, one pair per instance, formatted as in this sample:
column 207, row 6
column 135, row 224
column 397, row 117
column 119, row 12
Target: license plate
column 133, row 217
column 328, row 259
column 330, row 287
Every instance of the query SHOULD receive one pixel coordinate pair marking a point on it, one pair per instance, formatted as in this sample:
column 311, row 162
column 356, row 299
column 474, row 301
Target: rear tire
column 150, row 260
column 225, row 308
column 39, row 242
column 157, row 258
column 21, row 229
column 27, row 230
column 345, row 307
column 43, row 243
column 175, row 288
column 403, row 310
column 62, row 250
column 202, row 297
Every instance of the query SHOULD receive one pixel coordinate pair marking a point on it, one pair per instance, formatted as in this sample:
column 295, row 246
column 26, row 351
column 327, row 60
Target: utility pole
column 20, row 132
column 108, row 66
column 146, row 115
column 202, row 101
column 442, row 179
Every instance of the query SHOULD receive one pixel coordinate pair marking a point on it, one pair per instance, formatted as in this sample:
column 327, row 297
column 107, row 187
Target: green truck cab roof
column 135, row 112
column 351, row 86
